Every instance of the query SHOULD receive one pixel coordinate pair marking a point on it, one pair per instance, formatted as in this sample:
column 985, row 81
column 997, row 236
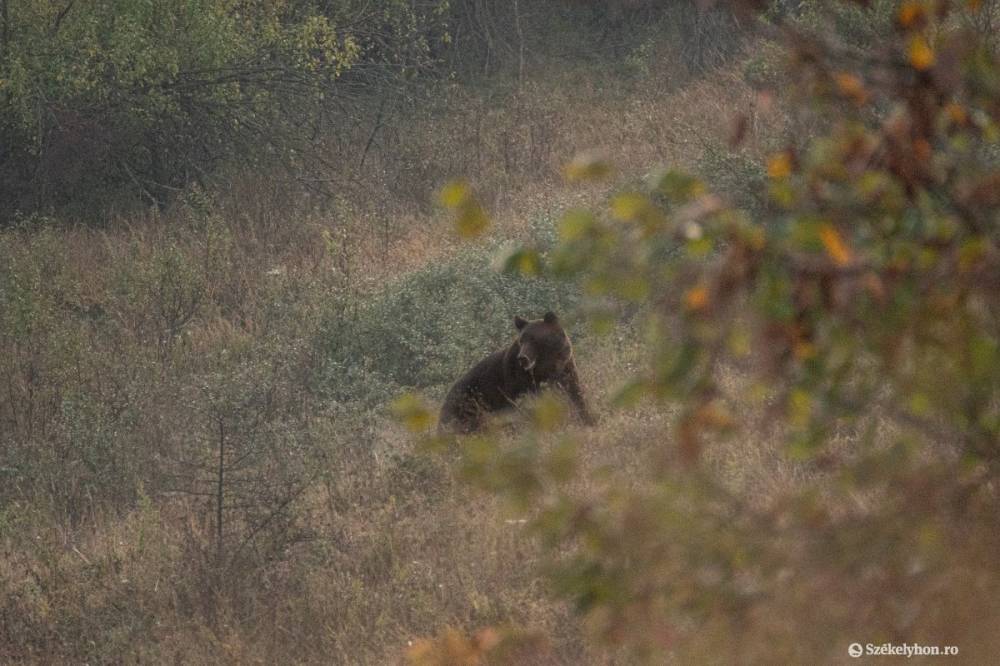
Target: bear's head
column 543, row 348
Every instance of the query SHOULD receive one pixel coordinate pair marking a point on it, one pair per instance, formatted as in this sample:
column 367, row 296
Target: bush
column 426, row 328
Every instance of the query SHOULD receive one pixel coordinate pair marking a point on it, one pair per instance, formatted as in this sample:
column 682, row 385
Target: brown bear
column 540, row 355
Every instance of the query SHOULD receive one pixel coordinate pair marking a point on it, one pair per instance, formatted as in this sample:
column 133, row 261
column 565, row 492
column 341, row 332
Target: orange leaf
column 910, row 13
column 920, row 53
column 804, row 350
column 835, row 245
column 850, row 86
column 697, row 298
column 956, row 113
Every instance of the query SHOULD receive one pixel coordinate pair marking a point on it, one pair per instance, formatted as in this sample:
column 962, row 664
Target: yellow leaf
column 920, row 53
column 835, row 246
column 629, row 206
column 528, row 263
column 779, row 166
column 471, row 219
column 576, row 224
column 800, row 406
column 455, row 194
column 413, row 413
column 517, row 259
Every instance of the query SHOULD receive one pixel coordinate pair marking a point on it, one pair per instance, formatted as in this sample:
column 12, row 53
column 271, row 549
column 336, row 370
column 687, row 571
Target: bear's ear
column 551, row 318
column 520, row 322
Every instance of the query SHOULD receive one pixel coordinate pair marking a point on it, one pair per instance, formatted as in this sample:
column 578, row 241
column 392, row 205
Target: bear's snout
column 525, row 362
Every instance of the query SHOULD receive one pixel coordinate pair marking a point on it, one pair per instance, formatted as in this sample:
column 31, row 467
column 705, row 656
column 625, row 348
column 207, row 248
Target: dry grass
column 394, row 548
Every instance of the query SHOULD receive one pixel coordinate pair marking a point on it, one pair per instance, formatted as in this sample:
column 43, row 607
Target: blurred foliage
column 857, row 313
column 737, row 176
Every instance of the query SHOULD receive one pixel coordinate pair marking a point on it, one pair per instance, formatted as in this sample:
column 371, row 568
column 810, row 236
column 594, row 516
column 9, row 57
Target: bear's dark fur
column 540, row 355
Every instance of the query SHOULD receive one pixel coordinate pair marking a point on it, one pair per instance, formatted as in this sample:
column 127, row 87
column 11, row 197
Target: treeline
column 106, row 105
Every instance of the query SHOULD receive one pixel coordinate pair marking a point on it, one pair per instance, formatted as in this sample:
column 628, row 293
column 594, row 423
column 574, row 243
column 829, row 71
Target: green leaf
column 413, row 413
column 680, row 187
column 587, row 167
column 576, row 224
column 523, row 260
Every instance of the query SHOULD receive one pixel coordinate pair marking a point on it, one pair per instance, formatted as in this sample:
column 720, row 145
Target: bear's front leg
column 570, row 383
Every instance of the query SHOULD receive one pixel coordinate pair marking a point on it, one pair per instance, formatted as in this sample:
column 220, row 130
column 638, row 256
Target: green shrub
column 864, row 25
column 424, row 329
